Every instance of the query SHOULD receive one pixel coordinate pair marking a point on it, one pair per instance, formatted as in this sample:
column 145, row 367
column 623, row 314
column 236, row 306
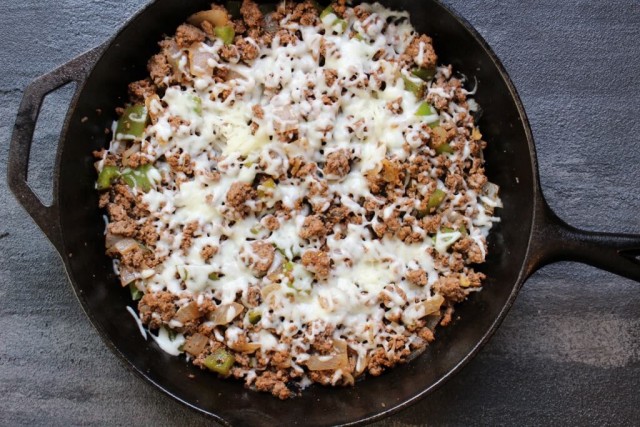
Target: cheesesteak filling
column 296, row 197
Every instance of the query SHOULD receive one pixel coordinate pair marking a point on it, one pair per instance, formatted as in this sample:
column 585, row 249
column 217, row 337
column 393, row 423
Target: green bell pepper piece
column 225, row 33
column 343, row 24
column 219, row 361
column 326, row 12
column 425, row 74
column 444, row 148
column 107, row 176
column 414, row 88
column 425, row 110
column 136, row 294
column 132, row 123
column 436, row 199
column 254, row 317
column 138, row 177
column 197, row 104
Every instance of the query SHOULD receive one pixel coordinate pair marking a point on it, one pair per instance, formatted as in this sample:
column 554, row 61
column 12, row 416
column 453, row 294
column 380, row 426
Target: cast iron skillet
column 529, row 236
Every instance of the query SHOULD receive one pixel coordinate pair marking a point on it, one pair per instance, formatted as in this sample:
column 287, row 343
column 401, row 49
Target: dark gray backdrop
column 568, row 352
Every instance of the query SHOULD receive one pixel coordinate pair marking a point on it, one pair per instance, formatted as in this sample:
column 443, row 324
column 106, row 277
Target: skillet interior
column 510, row 155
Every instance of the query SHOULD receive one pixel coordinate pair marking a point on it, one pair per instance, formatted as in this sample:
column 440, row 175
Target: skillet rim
column 96, row 55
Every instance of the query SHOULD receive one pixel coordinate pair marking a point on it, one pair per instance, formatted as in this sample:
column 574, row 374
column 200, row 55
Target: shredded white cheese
column 233, row 131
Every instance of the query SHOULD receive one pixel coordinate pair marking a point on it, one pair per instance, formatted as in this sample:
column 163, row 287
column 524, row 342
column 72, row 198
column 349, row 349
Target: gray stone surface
column 568, row 352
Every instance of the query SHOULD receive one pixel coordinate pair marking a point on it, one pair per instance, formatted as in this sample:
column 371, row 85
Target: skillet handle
column 46, row 217
column 555, row 240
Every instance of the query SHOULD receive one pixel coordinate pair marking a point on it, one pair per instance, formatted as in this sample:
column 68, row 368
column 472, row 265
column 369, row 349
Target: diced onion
column 323, row 363
column 224, row 314
column 187, row 313
column 245, row 347
column 127, row 276
column 125, row 245
column 216, row 17
column 195, row 344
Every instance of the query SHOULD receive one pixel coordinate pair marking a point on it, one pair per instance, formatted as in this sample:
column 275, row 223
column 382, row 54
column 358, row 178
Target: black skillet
column 529, row 236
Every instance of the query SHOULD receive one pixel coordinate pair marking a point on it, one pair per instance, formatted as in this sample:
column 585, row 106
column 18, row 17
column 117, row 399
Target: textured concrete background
column 568, row 352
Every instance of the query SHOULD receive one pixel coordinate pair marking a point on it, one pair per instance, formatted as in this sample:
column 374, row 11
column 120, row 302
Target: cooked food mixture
column 296, row 196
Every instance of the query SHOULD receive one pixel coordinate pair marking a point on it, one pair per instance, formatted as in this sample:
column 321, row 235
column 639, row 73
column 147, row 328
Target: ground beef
column 267, row 381
column 431, row 223
column 208, row 251
column 339, row 7
column 417, row 277
column 323, row 342
column 258, row 111
column 141, row 89
column 361, row 13
column 395, row 106
column 300, row 169
column 117, row 213
column 237, row 196
column 381, row 360
column 124, row 228
column 313, row 227
column 450, row 288
column 248, row 51
column 447, row 317
column 251, row 14
column 134, row 257
column 336, row 214
column 253, row 296
column 161, row 303
column 270, row 222
column 147, row 234
column 337, row 164
column 475, row 254
column 428, row 59
column 136, row 160
column 426, row 334
column 176, row 122
column 229, row 53
column 180, row 163
column 281, row 360
column 477, row 181
column 159, row 69
column 317, row 262
column 330, row 76
column 260, row 258
column 239, row 27
column 186, row 35
column 454, row 182
column 187, row 234
column 306, row 13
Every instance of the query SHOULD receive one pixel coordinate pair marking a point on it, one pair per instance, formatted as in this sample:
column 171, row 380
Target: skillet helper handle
column 555, row 240
column 45, row 216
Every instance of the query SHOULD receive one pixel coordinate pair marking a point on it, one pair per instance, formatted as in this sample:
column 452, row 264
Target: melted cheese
column 227, row 142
